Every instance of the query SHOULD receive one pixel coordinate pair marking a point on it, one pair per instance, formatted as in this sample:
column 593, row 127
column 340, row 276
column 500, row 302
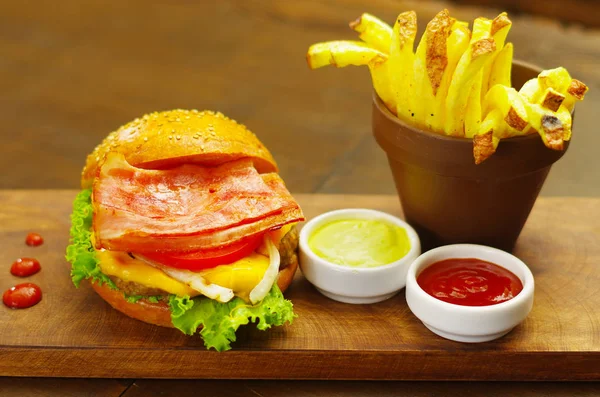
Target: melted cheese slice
column 241, row 276
column 126, row 268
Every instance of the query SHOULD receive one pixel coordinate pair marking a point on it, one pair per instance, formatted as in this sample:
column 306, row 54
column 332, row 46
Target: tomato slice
column 206, row 259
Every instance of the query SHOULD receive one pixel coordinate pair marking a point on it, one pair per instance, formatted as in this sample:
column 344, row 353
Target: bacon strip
column 186, row 208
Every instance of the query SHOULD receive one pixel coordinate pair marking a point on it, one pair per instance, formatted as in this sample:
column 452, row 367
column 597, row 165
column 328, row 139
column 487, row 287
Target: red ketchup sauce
column 24, row 267
column 469, row 282
column 34, row 240
column 22, row 296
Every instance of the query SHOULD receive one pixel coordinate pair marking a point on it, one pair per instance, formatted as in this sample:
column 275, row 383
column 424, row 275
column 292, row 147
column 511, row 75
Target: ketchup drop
column 469, row 282
column 22, row 296
column 24, row 267
column 34, row 240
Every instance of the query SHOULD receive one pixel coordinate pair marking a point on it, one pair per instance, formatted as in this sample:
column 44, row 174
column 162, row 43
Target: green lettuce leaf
column 219, row 321
column 149, row 298
column 80, row 252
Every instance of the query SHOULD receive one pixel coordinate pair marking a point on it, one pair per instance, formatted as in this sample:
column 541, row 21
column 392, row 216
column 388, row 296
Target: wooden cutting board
column 73, row 333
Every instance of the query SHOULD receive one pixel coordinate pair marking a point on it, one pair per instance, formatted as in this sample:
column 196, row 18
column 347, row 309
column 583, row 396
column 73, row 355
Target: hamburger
column 183, row 222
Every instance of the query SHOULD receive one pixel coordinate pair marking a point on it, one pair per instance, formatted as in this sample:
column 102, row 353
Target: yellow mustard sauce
column 360, row 242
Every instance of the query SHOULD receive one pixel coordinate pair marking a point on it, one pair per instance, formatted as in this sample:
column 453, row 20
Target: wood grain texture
column 74, row 333
column 28, row 387
column 219, row 388
column 74, row 71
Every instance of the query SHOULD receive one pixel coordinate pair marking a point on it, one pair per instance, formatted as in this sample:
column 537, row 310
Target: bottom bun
column 159, row 313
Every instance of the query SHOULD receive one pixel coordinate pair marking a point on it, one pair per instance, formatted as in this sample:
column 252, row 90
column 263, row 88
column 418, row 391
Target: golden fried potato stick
column 485, row 142
column 500, row 72
column 575, row 92
column 471, row 62
column 552, row 99
column 553, row 82
column 431, row 60
column 400, row 62
column 531, row 90
column 473, row 112
column 456, row 45
column 557, row 78
column 373, row 31
column 511, row 104
column 381, row 84
column 548, row 98
column 564, row 115
column 481, row 30
column 553, row 127
column 343, row 53
column 499, row 29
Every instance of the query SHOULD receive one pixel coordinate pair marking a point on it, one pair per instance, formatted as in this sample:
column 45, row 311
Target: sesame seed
column 178, row 137
column 145, row 139
column 170, row 136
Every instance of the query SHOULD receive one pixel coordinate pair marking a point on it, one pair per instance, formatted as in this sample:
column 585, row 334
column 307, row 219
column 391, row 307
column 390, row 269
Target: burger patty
column 288, row 248
column 132, row 288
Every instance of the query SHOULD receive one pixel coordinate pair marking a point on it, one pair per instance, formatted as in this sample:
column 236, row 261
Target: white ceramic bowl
column 350, row 284
column 469, row 323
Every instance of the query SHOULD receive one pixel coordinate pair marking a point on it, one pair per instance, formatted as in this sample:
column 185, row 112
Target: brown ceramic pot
column 449, row 199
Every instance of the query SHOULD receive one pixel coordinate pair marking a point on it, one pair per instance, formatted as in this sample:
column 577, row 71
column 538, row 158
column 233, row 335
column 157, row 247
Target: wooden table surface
column 73, row 71
column 330, row 340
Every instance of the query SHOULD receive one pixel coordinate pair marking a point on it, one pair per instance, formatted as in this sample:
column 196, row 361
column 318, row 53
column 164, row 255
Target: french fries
column 487, row 138
column 400, row 62
column 456, row 45
column 501, row 68
column 552, row 127
column 373, row 31
column 344, row 52
column 499, row 29
column 575, row 92
column 481, row 30
column 457, row 82
column 551, row 98
column 431, row 61
column 471, row 62
column 510, row 104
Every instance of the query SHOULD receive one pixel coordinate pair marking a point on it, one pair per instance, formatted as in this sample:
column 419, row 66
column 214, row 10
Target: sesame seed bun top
column 171, row 138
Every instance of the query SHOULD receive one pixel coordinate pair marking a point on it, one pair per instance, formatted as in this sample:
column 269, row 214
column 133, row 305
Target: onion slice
column 264, row 286
column 194, row 281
